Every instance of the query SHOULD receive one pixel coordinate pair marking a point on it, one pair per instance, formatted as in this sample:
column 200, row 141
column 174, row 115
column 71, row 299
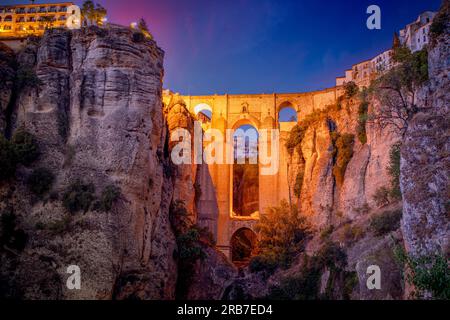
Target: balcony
column 52, row 9
column 20, row 11
column 62, row 9
column 42, row 10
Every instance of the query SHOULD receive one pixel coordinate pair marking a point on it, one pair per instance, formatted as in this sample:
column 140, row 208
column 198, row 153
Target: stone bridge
column 215, row 206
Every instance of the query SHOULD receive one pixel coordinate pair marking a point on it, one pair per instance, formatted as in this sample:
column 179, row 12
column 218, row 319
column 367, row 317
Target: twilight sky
column 262, row 46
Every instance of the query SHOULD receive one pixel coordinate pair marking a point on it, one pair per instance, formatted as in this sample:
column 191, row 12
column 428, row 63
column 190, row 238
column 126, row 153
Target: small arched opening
column 203, row 112
column 287, row 116
column 243, row 246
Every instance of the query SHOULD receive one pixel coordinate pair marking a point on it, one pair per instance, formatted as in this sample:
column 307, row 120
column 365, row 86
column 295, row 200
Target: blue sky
column 262, row 46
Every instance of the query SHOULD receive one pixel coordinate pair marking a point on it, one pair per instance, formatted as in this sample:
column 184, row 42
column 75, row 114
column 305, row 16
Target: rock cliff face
column 425, row 175
column 324, row 200
column 99, row 119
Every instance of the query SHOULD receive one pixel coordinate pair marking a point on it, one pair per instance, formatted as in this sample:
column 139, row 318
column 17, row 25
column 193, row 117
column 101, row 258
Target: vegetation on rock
column 386, row 222
column 396, row 90
column 79, row 197
column 282, row 235
column 394, row 171
column 429, row 274
column 40, row 181
column 108, row 197
column 343, row 153
column 22, row 149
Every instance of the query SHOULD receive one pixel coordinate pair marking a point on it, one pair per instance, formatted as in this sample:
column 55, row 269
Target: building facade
column 415, row 36
column 20, row 21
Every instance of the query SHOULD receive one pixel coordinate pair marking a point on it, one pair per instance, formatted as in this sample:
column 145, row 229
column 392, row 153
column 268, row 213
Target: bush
column 267, row 262
column 362, row 122
column 386, row 222
column 299, row 183
column 350, row 234
column 110, row 195
column 394, row 171
column 343, row 153
column 430, row 274
column 306, row 284
column 282, row 233
column 79, row 197
column 381, row 197
column 351, row 89
column 26, row 78
column 40, row 181
column 25, row 147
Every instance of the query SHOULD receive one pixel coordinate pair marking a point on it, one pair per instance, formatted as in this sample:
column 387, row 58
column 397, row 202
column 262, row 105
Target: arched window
column 203, row 112
column 245, row 171
column 287, row 113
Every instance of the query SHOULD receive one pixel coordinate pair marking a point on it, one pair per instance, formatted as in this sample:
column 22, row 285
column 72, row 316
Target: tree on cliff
column 143, row 27
column 396, row 90
column 92, row 14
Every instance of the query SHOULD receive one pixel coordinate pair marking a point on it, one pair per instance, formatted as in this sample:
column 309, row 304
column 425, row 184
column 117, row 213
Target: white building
column 416, row 35
column 382, row 62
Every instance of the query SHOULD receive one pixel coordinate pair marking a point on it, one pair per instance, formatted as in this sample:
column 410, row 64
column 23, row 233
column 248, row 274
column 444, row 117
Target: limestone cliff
column 97, row 117
column 425, row 175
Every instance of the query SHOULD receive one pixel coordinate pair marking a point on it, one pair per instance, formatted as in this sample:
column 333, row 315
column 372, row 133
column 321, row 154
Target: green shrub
column 10, row 235
column 40, row 181
column 267, row 262
column 26, row 78
column 282, row 233
column 109, row 196
column 430, row 274
column 362, row 122
column 306, row 284
column 79, row 197
column 299, row 183
column 25, row 147
column 381, row 197
column 394, row 171
column 386, row 222
column 351, row 89
column 343, row 153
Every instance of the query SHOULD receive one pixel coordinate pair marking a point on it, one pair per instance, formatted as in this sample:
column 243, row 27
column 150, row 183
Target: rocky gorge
column 92, row 101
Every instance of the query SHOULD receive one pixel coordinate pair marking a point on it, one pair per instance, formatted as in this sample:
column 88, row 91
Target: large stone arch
column 246, row 120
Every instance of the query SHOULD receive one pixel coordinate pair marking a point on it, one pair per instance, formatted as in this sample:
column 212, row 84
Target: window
column 7, row 28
